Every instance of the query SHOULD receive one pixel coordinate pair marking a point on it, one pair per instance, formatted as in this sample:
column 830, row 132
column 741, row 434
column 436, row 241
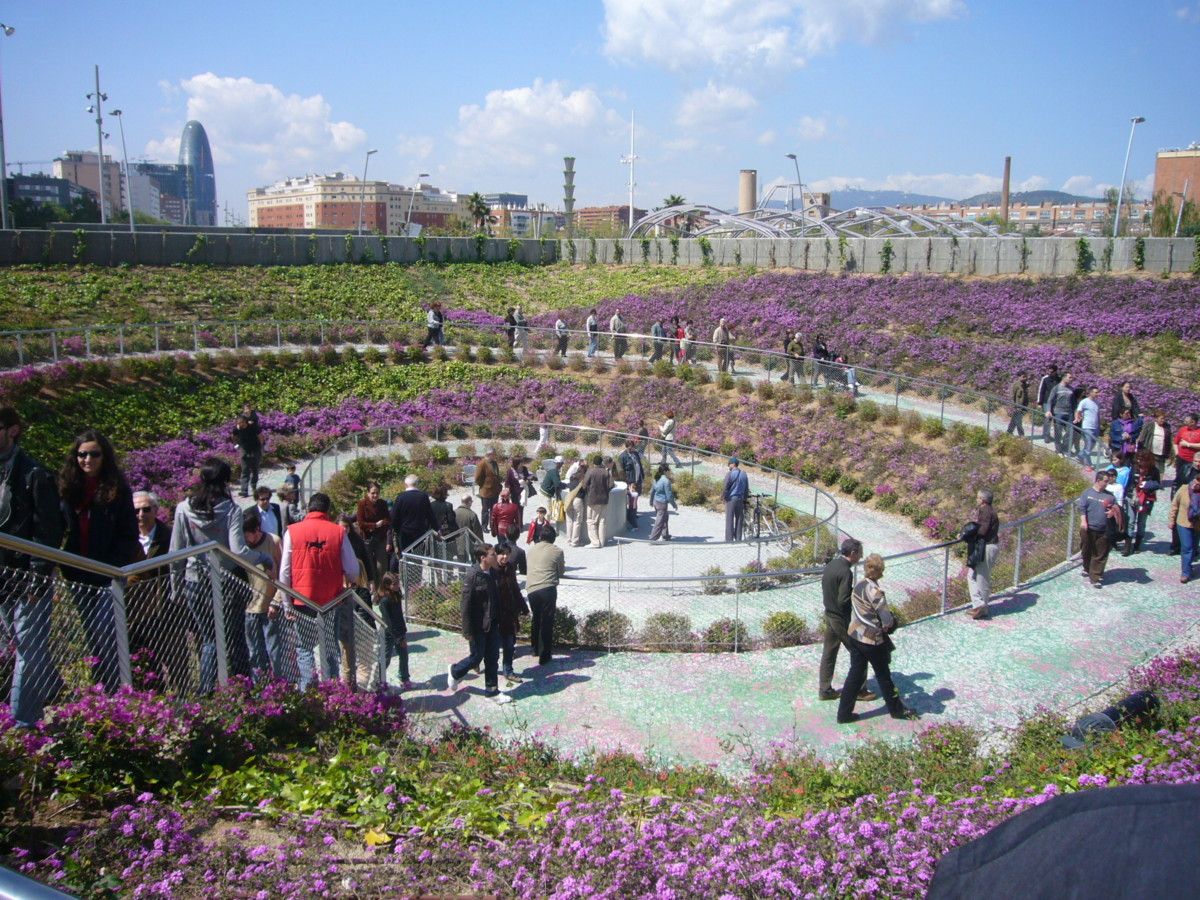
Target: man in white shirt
column 617, row 326
column 667, row 431
column 1087, row 417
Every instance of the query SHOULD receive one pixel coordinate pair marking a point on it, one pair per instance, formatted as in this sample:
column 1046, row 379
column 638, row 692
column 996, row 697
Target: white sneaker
column 451, row 681
column 502, row 698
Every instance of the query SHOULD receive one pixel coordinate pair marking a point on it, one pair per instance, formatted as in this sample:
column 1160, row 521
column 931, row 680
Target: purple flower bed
column 604, row 841
column 168, row 468
column 893, row 323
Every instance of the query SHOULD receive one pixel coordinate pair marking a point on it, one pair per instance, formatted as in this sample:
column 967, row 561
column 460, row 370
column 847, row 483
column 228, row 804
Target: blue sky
column 923, row 95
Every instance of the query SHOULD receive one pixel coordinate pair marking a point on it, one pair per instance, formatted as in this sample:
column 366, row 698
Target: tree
column 480, row 211
column 1162, row 220
column 672, row 200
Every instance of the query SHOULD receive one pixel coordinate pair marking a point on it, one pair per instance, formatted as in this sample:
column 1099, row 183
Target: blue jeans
column 264, row 641
column 308, row 640
column 95, row 605
column 35, row 678
column 1187, row 550
column 1090, row 437
column 593, row 344
column 397, row 647
column 485, row 647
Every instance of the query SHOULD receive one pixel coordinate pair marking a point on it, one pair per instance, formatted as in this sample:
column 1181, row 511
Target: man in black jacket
column 412, row 514
column 481, row 624
column 837, row 582
column 1045, row 392
column 247, row 434
column 29, row 509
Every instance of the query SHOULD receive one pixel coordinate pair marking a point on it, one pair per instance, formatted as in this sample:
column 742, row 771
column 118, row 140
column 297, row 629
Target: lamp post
column 98, row 108
column 125, row 155
column 362, row 197
column 1133, row 123
column 799, row 185
column 8, row 31
column 411, row 197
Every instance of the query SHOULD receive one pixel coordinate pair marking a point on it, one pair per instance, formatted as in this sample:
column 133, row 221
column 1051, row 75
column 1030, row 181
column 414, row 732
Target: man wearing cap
column 551, row 486
column 1096, row 506
column 837, row 583
column 734, row 493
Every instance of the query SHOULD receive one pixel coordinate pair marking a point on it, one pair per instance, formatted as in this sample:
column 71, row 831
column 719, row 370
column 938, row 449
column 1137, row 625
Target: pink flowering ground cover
column 386, row 813
column 983, row 331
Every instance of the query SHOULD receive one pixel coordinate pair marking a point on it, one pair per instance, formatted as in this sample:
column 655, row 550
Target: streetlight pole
column 125, row 155
column 362, row 197
column 411, row 197
column 799, row 185
column 1133, row 123
column 1182, row 201
column 7, row 32
column 98, row 108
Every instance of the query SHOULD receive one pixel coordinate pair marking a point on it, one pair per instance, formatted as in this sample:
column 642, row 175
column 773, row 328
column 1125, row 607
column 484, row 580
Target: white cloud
column 252, row 122
column 524, row 125
column 684, row 34
column 1033, row 183
column 767, row 137
column 945, row 184
column 681, row 145
column 713, row 106
column 1189, row 13
column 416, row 147
column 812, row 129
column 1085, row 186
column 166, row 149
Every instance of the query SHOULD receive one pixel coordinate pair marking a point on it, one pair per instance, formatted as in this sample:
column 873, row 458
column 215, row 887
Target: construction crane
column 22, row 163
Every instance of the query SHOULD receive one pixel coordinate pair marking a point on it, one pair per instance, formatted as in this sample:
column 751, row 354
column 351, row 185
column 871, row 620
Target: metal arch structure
column 701, row 220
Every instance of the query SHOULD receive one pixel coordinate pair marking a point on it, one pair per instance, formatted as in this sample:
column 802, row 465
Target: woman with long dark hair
column 97, row 506
column 209, row 514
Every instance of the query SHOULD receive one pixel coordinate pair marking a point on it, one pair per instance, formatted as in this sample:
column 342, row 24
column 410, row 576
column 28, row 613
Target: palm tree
column 480, row 211
column 673, row 200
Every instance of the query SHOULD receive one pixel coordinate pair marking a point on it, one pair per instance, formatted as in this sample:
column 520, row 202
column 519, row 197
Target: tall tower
column 200, row 207
column 747, row 190
column 569, row 194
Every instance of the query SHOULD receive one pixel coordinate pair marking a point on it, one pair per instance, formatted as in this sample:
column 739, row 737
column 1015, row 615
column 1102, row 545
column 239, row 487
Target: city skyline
column 926, row 96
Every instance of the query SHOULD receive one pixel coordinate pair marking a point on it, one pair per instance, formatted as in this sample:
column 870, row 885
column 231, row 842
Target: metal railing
column 49, row 345
column 814, row 508
column 146, row 625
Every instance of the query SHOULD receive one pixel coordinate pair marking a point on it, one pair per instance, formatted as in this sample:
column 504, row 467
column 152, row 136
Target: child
column 536, row 526
column 292, row 480
column 395, row 638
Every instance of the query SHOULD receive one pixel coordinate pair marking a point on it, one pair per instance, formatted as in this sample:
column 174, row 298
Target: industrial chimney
column 747, row 190
column 1004, row 190
column 569, row 194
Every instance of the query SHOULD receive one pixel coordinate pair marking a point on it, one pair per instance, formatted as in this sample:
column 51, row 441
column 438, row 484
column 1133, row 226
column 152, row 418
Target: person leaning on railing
column 265, row 614
column 29, row 509
column 154, row 619
column 97, row 506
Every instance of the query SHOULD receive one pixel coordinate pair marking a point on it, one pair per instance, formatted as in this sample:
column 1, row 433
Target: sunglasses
column 142, row 509
column 89, row 454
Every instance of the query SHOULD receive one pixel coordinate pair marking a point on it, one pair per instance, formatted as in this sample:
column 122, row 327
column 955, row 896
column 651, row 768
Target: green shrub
column 921, row 603
column 668, row 632
column 803, row 392
column 864, row 493
column 848, row 483
column 566, row 626
column 765, row 390
column 702, row 376
column 745, row 386
column 606, row 628
column 599, row 366
column 786, row 629
column 843, row 405
column 725, row 381
column 577, row 363
column 830, row 475
column 868, row 410
column 715, row 586
column 885, row 501
column 725, row 635
column 663, row 369
column 889, row 416
column 932, row 428
column 911, row 422
column 485, row 355
column 624, row 367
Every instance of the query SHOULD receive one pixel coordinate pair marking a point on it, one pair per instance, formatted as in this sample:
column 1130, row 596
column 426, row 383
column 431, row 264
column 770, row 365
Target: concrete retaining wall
column 966, row 256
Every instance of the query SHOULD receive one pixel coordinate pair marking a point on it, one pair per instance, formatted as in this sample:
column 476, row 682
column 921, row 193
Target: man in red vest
column 318, row 562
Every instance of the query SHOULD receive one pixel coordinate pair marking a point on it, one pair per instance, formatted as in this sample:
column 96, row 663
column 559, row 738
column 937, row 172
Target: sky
column 921, row 95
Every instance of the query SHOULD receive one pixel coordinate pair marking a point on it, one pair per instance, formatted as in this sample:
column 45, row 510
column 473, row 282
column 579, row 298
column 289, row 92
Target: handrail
column 315, row 460
column 63, row 558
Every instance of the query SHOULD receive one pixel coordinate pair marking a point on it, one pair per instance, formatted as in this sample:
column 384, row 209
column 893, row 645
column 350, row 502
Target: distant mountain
column 1030, row 197
column 849, row 198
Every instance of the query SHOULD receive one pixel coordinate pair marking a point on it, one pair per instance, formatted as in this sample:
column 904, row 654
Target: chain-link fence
column 180, row 633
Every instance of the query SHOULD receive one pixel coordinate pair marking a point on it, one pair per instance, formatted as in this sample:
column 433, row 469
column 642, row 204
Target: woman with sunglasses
column 97, row 507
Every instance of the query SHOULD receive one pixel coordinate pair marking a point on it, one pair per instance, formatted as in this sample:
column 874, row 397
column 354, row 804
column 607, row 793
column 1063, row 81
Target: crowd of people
column 88, row 509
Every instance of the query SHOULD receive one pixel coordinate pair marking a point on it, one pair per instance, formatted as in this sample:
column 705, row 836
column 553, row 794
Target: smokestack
column 1004, row 190
column 747, row 190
